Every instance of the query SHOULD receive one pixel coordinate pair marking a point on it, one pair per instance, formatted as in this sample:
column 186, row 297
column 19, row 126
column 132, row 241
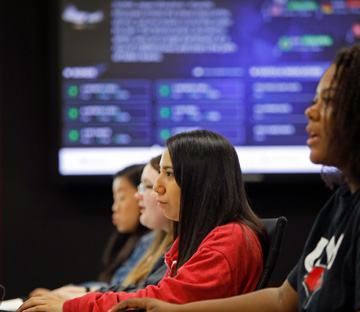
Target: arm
column 283, row 299
column 205, row 276
column 70, row 292
column 222, row 267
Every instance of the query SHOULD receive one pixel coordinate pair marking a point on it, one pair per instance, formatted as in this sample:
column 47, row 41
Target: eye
column 169, row 174
column 122, row 198
column 328, row 100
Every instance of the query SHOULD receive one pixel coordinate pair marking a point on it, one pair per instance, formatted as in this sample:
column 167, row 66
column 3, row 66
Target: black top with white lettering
column 327, row 276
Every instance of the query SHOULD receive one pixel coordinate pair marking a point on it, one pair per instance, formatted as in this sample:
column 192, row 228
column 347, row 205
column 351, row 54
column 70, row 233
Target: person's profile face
column 319, row 125
column 167, row 189
column 151, row 215
column 125, row 208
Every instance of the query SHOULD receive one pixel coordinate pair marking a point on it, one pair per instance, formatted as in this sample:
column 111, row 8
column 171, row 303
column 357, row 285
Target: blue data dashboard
column 133, row 73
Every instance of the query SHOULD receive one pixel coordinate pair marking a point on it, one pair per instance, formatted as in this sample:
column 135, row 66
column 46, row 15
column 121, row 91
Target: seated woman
column 218, row 248
column 129, row 242
column 327, row 275
column 151, row 268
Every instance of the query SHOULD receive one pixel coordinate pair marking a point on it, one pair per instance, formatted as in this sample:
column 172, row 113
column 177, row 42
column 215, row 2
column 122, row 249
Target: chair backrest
column 275, row 228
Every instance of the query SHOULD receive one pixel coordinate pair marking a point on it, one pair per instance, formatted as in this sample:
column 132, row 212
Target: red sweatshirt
column 228, row 262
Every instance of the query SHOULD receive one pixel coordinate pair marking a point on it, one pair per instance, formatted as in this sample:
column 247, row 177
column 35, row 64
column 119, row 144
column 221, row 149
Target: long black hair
column 121, row 245
column 207, row 170
column 345, row 119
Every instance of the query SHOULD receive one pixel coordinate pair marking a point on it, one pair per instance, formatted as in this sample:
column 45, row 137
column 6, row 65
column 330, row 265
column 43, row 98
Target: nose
column 157, row 187
column 113, row 207
column 138, row 196
column 312, row 113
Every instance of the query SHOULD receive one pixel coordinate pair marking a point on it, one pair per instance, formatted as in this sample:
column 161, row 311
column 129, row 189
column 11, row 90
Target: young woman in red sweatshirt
column 219, row 241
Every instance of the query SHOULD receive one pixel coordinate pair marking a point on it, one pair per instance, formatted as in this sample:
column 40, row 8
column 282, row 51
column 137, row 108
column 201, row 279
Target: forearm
column 266, row 300
column 282, row 299
column 249, row 302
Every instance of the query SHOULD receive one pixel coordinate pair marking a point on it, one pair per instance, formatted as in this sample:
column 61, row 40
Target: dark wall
column 51, row 234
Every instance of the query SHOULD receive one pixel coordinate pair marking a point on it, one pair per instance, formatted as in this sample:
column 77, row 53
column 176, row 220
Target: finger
column 130, row 303
column 35, row 301
column 36, row 309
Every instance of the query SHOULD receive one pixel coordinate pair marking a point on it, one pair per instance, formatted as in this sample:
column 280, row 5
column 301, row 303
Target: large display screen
column 134, row 73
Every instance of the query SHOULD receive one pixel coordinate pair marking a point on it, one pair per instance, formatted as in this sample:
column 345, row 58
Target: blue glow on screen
column 134, row 73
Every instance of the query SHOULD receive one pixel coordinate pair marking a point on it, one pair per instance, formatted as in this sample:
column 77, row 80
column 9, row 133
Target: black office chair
column 275, row 228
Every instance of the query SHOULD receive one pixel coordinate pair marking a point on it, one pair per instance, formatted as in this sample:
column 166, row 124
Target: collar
column 171, row 256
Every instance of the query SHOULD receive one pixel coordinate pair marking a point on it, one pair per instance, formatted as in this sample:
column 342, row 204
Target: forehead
column 122, row 184
column 149, row 172
column 165, row 159
column 326, row 79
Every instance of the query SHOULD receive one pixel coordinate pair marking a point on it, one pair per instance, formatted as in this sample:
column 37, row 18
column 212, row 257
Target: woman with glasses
column 153, row 218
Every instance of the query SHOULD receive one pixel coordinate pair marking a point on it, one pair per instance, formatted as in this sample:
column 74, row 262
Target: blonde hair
column 161, row 242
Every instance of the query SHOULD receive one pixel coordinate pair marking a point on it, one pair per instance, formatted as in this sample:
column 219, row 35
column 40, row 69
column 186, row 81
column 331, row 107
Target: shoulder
column 146, row 239
column 229, row 236
column 230, row 229
column 142, row 245
column 232, row 243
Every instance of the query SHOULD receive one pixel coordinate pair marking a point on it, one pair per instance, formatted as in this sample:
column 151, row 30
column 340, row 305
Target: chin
column 142, row 220
column 144, row 223
column 323, row 161
column 318, row 160
column 169, row 217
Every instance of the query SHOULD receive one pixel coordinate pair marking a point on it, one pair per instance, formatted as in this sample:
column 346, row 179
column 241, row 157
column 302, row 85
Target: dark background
column 54, row 233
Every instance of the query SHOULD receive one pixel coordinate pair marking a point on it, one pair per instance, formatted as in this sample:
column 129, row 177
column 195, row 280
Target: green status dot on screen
column 74, row 135
column 164, row 90
column 73, row 91
column 285, row 44
column 165, row 112
column 164, row 134
column 73, row 113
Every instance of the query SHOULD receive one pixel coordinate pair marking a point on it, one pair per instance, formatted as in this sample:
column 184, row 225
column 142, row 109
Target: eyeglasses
column 142, row 188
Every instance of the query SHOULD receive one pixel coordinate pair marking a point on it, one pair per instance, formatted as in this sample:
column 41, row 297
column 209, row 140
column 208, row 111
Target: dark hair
column 121, row 245
column 207, row 170
column 155, row 162
column 132, row 173
column 345, row 125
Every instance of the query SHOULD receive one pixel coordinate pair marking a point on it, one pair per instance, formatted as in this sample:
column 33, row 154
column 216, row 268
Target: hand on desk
column 47, row 303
